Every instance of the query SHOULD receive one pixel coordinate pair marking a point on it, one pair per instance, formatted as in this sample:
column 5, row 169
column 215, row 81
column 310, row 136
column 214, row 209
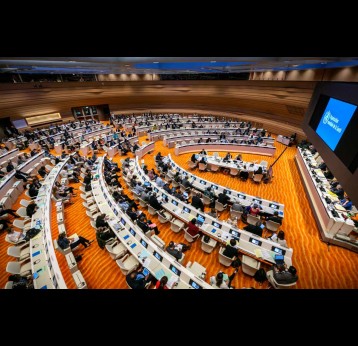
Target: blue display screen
column 334, row 121
column 132, row 231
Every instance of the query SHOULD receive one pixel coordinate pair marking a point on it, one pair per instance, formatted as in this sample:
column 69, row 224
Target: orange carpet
column 318, row 265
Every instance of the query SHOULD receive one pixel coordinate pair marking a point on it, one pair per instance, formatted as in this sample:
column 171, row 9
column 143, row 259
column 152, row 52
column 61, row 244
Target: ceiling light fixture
column 155, row 62
column 213, row 61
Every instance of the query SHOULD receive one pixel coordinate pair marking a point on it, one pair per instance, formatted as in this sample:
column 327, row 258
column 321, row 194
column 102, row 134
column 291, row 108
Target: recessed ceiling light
column 72, row 61
column 294, row 65
column 155, row 62
column 213, row 61
column 126, row 65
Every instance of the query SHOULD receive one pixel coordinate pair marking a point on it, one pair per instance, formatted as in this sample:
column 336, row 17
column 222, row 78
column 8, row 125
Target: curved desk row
column 9, row 180
column 328, row 223
column 159, row 135
column 9, row 155
column 235, row 196
column 249, row 149
column 158, row 261
column 113, row 150
column 42, row 253
column 77, row 132
column 261, row 249
column 171, row 142
column 144, row 150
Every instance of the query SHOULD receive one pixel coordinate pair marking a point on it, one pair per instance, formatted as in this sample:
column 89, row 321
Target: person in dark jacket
column 145, row 225
column 230, row 250
column 64, row 242
column 153, row 202
column 101, row 221
column 223, row 198
column 255, row 229
column 176, row 250
column 275, row 218
column 196, row 202
column 137, row 279
column 31, row 209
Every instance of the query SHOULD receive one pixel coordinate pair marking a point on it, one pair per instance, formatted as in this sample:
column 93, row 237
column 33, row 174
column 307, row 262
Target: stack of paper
column 258, row 253
column 172, row 281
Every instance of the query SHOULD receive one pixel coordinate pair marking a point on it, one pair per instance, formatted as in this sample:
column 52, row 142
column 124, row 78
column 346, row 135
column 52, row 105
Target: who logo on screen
column 326, row 117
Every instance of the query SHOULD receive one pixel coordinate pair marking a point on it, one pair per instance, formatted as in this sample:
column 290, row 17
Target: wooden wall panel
column 281, row 102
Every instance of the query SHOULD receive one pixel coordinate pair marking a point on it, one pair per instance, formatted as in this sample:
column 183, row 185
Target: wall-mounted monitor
column 241, row 196
column 274, row 206
column 258, row 201
column 123, row 222
column 174, row 202
column 115, row 212
column 203, row 182
column 331, row 124
column 228, row 192
column 186, row 210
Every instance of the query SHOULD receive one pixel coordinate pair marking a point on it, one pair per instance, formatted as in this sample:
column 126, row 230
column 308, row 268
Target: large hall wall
column 279, row 104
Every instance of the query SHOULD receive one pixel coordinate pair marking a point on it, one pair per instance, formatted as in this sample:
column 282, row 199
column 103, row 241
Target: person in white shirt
column 279, row 238
column 14, row 236
column 221, row 281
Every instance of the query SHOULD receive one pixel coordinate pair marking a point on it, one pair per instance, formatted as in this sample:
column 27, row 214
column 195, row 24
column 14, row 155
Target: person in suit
column 186, row 183
column 193, row 158
column 101, row 221
column 227, row 157
column 223, row 198
column 203, row 152
column 230, row 250
column 137, row 280
column 255, row 229
column 338, row 190
column 281, row 274
column 145, row 225
column 176, row 250
column 238, row 157
column 153, row 202
column 275, row 218
column 64, row 242
column 197, row 203
column 258, row 171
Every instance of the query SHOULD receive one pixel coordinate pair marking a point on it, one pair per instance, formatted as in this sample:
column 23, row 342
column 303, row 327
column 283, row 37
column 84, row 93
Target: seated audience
column 64, row 242
column 176, row 250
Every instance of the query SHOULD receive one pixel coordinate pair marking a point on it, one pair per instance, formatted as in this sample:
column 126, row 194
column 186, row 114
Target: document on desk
column 339, row 207
column 172, row 281
column 159, row 274
column 58, row 204
column 266, row 255
column 258, row 253
column 143, row 254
